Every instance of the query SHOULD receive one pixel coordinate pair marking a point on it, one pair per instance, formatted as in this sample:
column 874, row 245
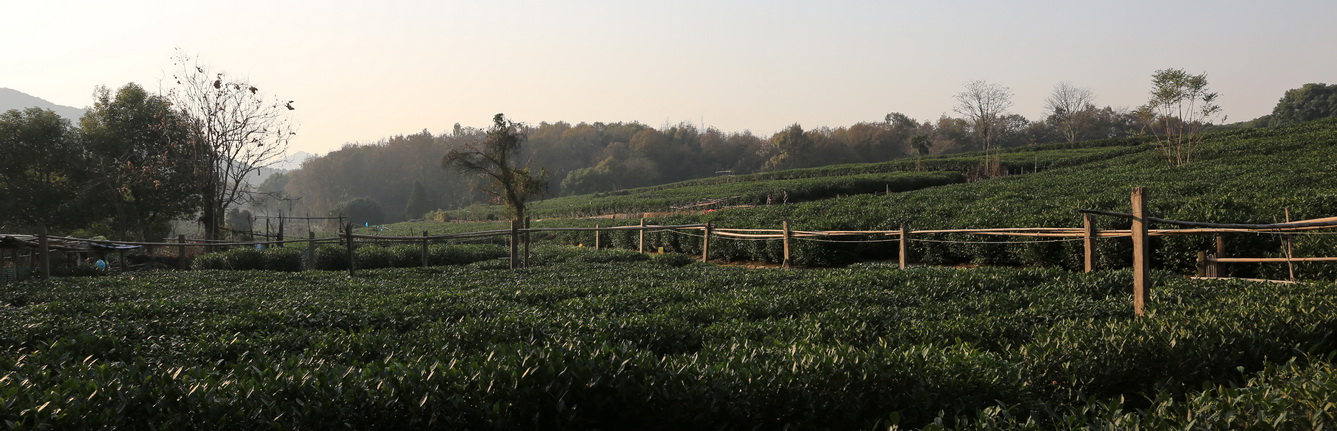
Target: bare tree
column 238, row 131
column 1070, row 108
column 1180, row 106
column 983, row 103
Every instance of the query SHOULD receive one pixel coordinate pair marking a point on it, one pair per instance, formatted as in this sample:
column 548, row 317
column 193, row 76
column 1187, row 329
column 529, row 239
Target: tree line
column 604, row 157
column 399, row 178
column 136, row 161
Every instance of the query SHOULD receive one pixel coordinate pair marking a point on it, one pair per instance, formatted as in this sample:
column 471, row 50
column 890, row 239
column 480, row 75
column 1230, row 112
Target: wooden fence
column 1139, row 232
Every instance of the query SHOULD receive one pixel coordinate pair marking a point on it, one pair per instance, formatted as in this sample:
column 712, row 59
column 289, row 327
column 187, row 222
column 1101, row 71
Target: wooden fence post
column 424, row 249
column 181, row 252
column 1202, row 264
column 348, row 243
column 596, row 238
column 640, row 244
column 705, row 243
column 310, row 250
column 515, row 242
column 43, row 252
column 788, row 235
column 527, row 222
column 1089, row 241
column 1141, row 251
column 905, row 247
column 1220, row 253
column 1290, row 266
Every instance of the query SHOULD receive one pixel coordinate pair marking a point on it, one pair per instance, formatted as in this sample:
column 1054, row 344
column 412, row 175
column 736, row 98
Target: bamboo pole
column 1089, row 241
column 1290, row 266
column 1141, row 251
column 640, row 244
column 1274, row 259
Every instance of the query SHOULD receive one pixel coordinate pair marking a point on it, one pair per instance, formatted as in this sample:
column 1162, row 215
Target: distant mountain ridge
column 14, row 99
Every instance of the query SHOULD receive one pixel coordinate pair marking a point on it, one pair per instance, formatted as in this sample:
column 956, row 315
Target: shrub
column 331, row 258
column 673, row 259
column 283, row 259
column 461, row 254
column 239, row 259
column 371, row 257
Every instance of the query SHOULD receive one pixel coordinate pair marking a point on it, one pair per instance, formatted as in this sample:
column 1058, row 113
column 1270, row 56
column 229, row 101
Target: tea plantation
column 1241, row 176
column 618, row 340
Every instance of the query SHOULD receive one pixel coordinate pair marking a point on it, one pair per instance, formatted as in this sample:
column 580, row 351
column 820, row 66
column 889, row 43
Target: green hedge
column 243, row 259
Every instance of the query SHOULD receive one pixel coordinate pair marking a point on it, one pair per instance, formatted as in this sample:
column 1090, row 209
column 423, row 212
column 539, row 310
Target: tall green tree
column 40, row 172
column 1181, row 104
column 141, row 161
column 791, row 148
column 417, row 204
column 1307, row 103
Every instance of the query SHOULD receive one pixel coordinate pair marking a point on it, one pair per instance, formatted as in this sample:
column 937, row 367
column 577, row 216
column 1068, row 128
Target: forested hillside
column 600, row 157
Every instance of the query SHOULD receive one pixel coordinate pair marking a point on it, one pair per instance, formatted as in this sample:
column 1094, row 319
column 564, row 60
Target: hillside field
column 1239, row 176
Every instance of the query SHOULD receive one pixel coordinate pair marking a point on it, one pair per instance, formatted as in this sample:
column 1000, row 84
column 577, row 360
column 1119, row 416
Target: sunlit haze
column 362, row 71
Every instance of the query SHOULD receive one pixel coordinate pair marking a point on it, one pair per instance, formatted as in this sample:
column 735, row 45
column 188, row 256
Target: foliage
column 417, row 204
column 811, row 183
column 40, row 176
column 1307, row 103
column 617, row 344
column 1180, row 105
column 141, row 162
column 496, row 158
column 250, row 259
column 335, row 258
column 791, row 148
column 360, row 211
column 1236, row 181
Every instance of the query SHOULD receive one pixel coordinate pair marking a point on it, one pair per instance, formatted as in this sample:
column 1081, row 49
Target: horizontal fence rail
column 520, row 232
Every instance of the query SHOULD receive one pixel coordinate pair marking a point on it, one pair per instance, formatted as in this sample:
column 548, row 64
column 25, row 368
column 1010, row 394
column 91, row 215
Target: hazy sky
column 361, row 71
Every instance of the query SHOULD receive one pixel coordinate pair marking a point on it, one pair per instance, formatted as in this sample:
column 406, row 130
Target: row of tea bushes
column 615, row 341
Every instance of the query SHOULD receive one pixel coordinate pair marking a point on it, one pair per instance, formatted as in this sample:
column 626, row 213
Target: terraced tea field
column 618, row 340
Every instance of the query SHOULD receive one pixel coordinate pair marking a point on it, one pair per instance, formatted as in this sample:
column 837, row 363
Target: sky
column 362, row 71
